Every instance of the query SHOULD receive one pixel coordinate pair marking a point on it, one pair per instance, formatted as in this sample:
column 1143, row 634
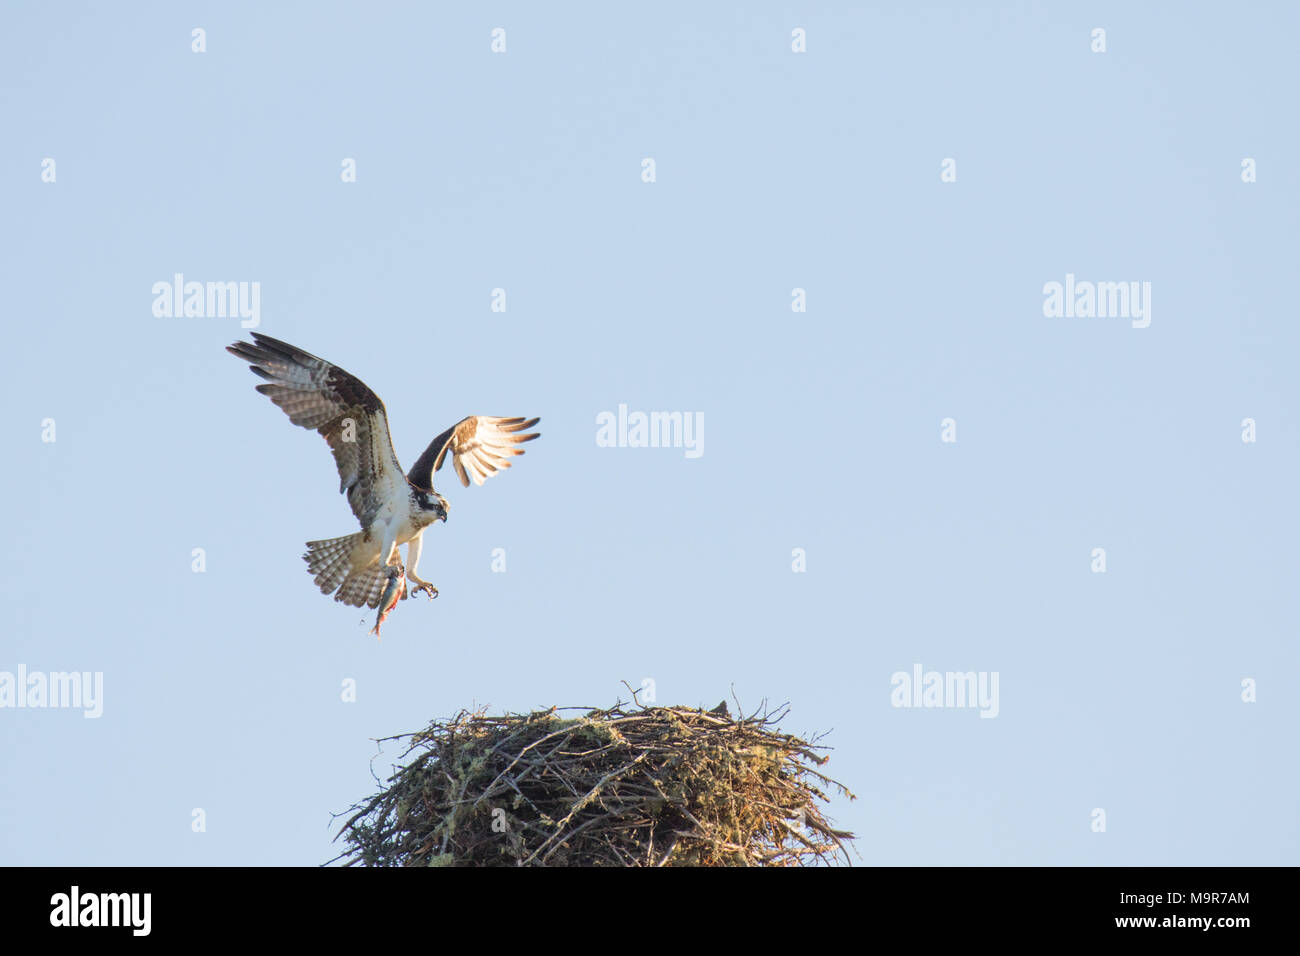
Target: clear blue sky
column 774, row 170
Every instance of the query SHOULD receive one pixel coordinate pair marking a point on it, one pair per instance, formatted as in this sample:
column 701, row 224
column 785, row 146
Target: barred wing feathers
column 317, row 394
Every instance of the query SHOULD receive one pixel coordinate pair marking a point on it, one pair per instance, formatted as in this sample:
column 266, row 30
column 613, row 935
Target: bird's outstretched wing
column 480, row 446
column 317, row 394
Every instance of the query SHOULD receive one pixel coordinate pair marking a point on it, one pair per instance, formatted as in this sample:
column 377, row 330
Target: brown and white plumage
column 392, row 508
column 316, row 394
column 479, row 446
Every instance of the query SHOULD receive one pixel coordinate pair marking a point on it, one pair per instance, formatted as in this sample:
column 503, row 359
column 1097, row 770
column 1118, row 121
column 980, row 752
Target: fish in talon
column 394, row 591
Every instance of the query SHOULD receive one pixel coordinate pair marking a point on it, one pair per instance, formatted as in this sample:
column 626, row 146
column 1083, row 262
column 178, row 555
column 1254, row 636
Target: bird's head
column 434, row 502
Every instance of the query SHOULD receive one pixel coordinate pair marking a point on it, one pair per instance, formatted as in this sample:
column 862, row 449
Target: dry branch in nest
column 660, row 786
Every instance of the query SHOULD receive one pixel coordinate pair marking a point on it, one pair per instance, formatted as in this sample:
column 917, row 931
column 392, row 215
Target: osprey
column 393, row 508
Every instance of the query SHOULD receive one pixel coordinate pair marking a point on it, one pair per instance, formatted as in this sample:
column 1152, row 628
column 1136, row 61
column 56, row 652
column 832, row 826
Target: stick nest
column 660, row 786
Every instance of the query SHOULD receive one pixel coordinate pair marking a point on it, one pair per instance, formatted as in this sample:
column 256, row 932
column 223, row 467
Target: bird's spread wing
column 316, row 394
column 480, row 446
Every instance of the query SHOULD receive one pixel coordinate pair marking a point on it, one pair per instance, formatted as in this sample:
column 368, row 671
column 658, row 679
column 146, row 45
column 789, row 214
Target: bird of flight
column 394, row 508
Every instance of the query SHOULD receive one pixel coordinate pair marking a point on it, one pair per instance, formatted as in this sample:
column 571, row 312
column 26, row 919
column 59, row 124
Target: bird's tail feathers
column 331, row 564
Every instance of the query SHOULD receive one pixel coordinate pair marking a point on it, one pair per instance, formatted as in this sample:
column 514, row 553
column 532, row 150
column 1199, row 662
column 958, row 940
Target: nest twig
column 660, row 786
